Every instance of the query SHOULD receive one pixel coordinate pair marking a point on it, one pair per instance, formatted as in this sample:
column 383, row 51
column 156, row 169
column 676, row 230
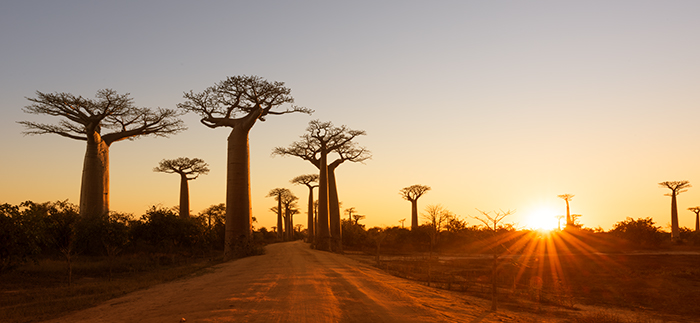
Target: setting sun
column 542, row 219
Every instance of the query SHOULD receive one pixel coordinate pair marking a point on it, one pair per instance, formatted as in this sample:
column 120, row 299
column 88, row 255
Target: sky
column 496, row 105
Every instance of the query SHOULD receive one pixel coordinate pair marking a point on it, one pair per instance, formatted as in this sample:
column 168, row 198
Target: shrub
column 641, row 232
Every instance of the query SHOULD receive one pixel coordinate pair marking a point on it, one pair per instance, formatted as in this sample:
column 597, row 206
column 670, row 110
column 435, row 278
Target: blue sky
column 495, row 105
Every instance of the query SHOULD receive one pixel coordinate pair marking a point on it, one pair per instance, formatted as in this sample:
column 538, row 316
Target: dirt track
column 292, row 283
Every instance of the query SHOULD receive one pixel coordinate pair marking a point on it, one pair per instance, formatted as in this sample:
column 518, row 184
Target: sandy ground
column 293, row 283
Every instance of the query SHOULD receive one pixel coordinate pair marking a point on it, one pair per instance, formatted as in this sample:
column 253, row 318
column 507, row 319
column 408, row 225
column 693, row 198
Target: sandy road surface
column 292, row 283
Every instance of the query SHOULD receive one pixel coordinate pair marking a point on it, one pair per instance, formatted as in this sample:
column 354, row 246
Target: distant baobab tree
column 321, row 139
column 402, row 222
column 676, row 187
column 289, row 202
column 696, row 210
column 559, row 217
column 411, row 194
column 188, row 169
column 309, row 180
column 238, row 102
column 349, row 211
column 278, row 194
column 100, row 122
column 569, row 219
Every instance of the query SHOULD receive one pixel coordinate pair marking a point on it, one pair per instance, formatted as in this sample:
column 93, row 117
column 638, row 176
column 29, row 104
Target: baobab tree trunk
column 569, row 221
column 280, row 230
column 697, row 222
column 675, row 232
column 414, row 214
column 94, row 189
column 323, row 230
column 290, row 226
column 238, row 206
column 310, row 212
column 334, row 211
column 184, row 197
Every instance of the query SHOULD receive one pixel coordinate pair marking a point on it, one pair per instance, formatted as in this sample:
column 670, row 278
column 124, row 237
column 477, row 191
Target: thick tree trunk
column 290, row 226
column 569, row 220
column 310, row 212
column 184, row 197
column 323, row 230
column 94, row 189
column 334, row 210
column 414, row 214
column 280, row 226
column 675, row 232
column 697, row 222
column 238, row 206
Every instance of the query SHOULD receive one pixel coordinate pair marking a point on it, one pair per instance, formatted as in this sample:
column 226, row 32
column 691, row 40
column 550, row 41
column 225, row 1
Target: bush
column 165, row 230
column 17, row 243
column 641, row 232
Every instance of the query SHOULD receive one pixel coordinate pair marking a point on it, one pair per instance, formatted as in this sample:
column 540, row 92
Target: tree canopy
column 113, row 116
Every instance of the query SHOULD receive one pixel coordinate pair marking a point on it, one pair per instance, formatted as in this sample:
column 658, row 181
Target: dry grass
column 40, row 291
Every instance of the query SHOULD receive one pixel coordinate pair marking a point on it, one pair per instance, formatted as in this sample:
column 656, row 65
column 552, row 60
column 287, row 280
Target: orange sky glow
column 495, row 106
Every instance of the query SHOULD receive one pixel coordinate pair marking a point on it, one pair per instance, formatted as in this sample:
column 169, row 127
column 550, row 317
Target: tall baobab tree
column 321, row 139
column 569, row 219
column 309, row 180
column 238, row 102
column 676, row 187
column 412, row 194
column 100, row 122
column 188, row 169
column 278, row 194
column 696, row 210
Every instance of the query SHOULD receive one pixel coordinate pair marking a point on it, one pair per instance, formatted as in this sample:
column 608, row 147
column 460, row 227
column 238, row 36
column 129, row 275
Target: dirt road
column 292, row 283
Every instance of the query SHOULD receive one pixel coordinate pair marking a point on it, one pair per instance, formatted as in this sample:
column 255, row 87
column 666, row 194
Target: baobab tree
column 188, row 169
column 289, row 203
column 411, row 194
column 349, row 211
column 696, row 210
column 569, row 219
column 309, row 181
column 100, row 122
column 321, row 139
column 238, row 102
column 278, row 194
column 676, row 187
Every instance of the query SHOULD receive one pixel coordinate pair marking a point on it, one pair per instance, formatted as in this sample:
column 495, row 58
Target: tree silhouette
column 349, row 211
column 696, row 210
column 676, row 187
column 437, row 217
column 559, row 217
column 321, row 139
column 569, row 219
column 188, row 169
column 309, row 181
column 238, row 102
column 100, row 122
column 278, row 194
column 493, row 223
column 412, row 193
column 290, row 209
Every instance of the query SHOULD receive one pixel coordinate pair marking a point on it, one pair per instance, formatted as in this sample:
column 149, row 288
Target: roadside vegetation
column 52, row 261
column 635, row 265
